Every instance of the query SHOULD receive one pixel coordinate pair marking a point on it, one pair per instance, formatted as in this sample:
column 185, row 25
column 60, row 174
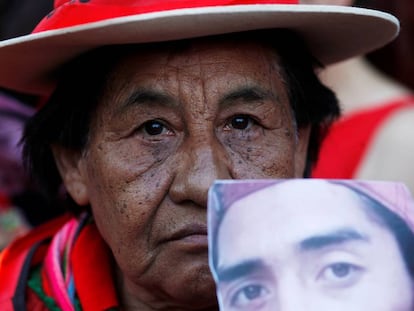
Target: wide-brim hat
column 332, row 33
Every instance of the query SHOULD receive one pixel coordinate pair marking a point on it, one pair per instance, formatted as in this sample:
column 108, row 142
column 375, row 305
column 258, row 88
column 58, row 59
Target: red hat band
column 76, row 12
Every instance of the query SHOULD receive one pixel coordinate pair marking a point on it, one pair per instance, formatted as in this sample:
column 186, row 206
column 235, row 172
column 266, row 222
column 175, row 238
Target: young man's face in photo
column 278, row 250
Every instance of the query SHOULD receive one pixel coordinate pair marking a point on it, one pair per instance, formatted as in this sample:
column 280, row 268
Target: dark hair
column 395, row 224
column 313, row 103
column 66, row 117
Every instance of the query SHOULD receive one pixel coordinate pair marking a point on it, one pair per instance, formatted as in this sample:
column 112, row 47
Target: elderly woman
column 149, row 103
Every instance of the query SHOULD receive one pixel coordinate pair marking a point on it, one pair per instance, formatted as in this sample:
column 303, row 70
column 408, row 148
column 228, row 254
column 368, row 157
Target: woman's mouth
column 193, row 235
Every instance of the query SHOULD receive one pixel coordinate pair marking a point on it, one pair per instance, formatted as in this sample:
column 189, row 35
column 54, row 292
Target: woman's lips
column 194, row 234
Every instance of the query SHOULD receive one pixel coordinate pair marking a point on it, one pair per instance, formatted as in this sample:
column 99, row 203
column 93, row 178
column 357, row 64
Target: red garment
column 90, row 262
column 349, row 139
column 74, row 13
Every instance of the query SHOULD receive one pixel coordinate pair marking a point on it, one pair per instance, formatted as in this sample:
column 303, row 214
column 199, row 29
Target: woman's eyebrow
column 240, row 270
column 146, row 96
column 328, row 239
column 248, row 94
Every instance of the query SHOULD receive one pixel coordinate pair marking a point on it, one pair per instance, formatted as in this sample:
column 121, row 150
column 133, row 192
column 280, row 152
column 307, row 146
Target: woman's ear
column 71, row 169
column 301, row 153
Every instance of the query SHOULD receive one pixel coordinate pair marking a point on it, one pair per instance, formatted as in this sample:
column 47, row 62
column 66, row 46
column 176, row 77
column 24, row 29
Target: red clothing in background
column 349, row 139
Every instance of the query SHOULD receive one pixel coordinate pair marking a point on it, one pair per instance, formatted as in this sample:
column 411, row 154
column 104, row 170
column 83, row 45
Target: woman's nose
column 199, row 163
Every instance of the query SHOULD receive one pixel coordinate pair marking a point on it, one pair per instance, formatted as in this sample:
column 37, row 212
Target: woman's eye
column 154, row 127
column 249, row 295
column 240, row 122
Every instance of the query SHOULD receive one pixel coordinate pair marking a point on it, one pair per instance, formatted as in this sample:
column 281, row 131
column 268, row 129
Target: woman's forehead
column 208, row 66
column 198, row 52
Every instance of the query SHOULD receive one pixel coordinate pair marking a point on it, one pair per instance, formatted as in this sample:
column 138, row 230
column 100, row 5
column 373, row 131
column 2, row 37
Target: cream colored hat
column 333, row 33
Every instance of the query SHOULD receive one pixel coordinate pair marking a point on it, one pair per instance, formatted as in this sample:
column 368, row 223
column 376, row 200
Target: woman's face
column 169, row 124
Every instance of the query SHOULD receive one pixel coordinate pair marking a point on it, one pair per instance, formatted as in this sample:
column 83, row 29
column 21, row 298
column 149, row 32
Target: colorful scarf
column 57, row 268
column 69, row 264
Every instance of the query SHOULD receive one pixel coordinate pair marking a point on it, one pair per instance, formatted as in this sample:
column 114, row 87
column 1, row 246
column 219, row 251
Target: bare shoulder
column 391, row 153
column 401, row 120
column 397, row 130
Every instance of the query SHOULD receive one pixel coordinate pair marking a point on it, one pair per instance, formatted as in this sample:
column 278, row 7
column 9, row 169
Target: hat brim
column 332, row 33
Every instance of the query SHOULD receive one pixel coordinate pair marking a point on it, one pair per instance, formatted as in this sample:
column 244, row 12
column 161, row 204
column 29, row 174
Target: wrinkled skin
column 169, row 124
